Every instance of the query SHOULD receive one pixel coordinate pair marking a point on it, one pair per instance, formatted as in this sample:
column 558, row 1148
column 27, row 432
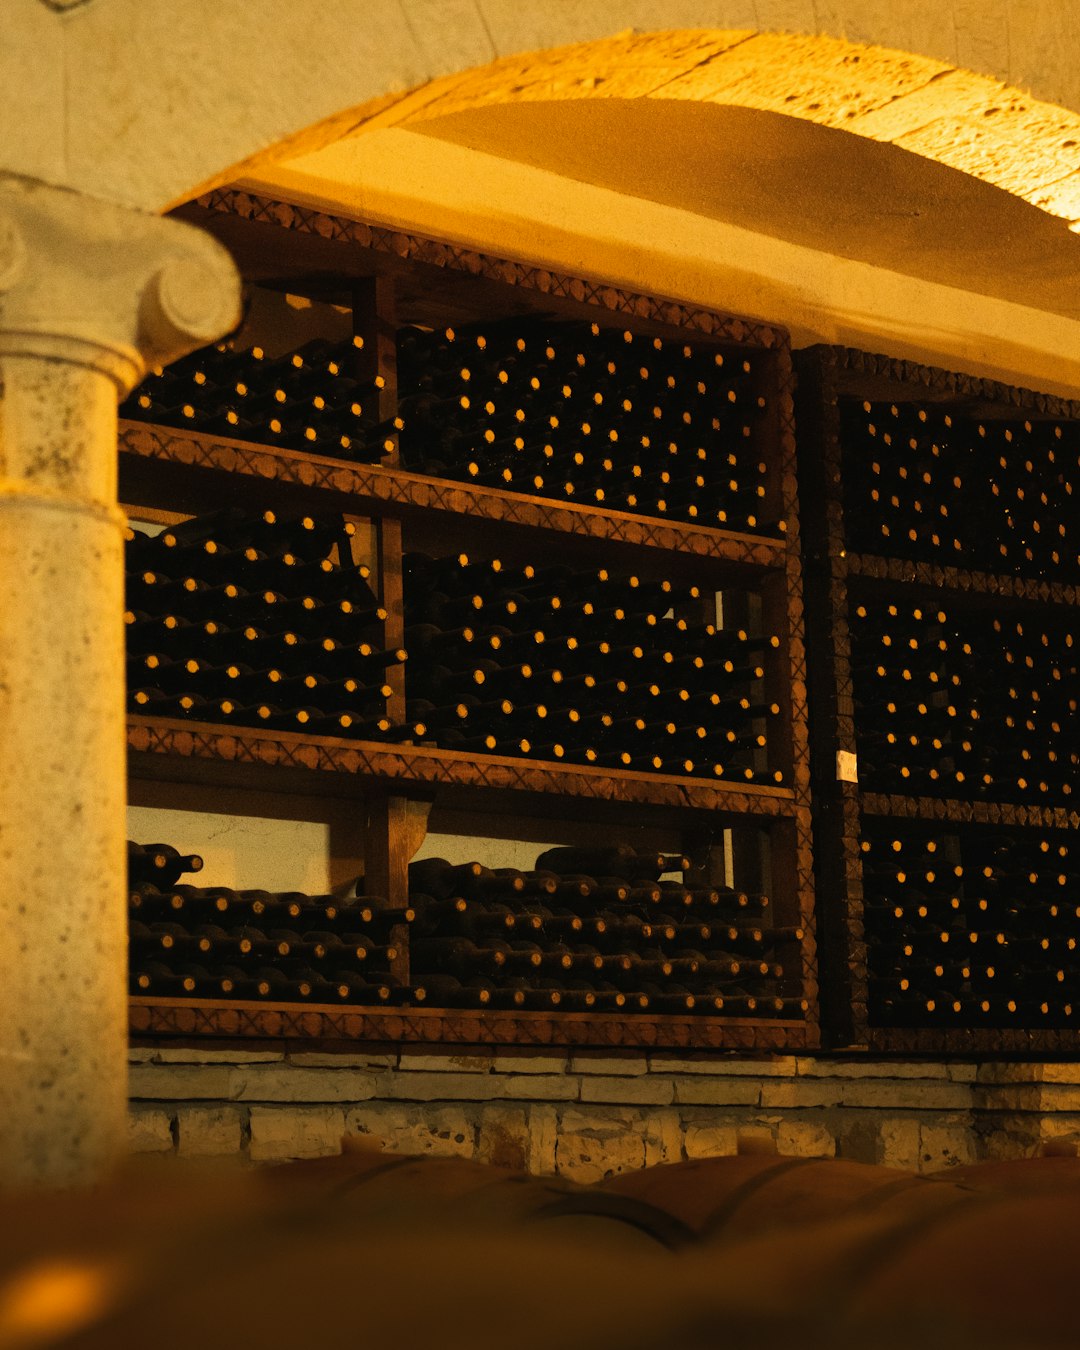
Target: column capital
column 104, row 286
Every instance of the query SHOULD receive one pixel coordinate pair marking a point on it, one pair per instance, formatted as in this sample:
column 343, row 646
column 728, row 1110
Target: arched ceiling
column 149, row 104
column 778, row 175
column 965, row 121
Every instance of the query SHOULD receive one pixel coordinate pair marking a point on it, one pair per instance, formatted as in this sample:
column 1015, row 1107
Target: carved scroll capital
column 105, row 286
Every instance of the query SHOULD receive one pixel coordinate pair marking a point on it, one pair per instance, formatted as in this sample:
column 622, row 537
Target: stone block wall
column 586, row 1116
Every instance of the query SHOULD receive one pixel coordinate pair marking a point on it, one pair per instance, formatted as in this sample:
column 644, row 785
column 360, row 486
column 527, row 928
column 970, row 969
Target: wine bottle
column 156, row 979
column 456, row 956
column 447, row 991
column 161, row 865
column 170, row 941
column 192, row 904
column 613, row 860
column 221, row 943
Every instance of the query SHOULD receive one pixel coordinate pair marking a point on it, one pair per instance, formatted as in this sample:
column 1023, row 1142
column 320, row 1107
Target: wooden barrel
column 208, row 1260
column 736, row 1197
column 1053, row 1174
column 374, row 1188
column 248, row 1267
column 1004, row 1266
column 997, row 1271
column 281, row 1259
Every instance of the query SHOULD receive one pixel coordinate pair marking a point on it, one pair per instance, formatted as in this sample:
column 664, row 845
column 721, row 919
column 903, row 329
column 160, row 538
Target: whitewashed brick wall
column 587, row 1116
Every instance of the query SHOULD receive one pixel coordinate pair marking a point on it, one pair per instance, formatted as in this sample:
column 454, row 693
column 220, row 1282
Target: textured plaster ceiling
column 785, row 177
column 992, row 131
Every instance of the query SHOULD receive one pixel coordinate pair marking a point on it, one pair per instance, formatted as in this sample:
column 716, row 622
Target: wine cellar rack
column 593, row 533
column 941, row 535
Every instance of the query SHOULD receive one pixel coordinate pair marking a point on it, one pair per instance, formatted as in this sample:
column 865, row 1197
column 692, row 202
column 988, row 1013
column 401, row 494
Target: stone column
column 90, row 294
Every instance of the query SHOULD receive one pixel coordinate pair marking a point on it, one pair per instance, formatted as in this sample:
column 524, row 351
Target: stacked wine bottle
column 309, row 399
column 214, row 942
column 565, row 410
column 959, row 703
column 596, row 930
column 584, row 666
column 586, row 414
column 971, row 927
column 623, row 937
column 256, row 619
column 936, row 486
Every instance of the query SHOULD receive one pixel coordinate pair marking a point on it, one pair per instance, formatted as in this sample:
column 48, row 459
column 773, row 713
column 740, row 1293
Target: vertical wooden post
column 375, row 320
column 391, row 597
column 394, row 828
column 779, row 676
column 388, row 835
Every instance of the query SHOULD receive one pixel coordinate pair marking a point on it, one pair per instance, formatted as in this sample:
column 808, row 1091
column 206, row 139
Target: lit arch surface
column 968, row 122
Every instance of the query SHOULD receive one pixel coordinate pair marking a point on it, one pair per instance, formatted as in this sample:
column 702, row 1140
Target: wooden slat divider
column 240, row 1021
column 421, row 765
column 388, row 491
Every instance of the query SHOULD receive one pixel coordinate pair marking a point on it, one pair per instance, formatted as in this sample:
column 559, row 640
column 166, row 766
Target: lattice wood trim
column 943, row 383
column 838, row 864
column 528, row 276
column 396, row 490
column 271, row 1022
column 419, row 764
column 954, row 812
column 790, row 604
column 975, row 1041
column 959, row 579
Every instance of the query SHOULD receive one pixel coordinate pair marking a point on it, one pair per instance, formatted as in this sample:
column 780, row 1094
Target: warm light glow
column 51, row 1299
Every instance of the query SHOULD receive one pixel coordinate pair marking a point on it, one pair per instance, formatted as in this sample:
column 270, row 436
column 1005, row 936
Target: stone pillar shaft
column 62, row 804
column 89, row 292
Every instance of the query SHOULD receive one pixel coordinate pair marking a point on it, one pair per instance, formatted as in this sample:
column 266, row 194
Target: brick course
column 586, row 1116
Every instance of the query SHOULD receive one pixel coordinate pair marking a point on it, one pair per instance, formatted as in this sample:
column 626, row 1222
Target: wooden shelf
column 279, row 240
column 958, row 579
column 874, row 376
column 201, row 1019
column 1009, row 814
column 199, row 741
column 1058, row 1042
column 396, row 492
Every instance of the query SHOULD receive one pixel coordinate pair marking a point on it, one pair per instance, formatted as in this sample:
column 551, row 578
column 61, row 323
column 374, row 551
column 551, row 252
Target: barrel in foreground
column 393, row 1251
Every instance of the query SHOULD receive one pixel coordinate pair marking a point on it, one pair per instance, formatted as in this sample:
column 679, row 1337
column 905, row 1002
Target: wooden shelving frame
column 396, row 493
column 241, row 1022
column 160, row 463
column 421, row 765
column 825, row 375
